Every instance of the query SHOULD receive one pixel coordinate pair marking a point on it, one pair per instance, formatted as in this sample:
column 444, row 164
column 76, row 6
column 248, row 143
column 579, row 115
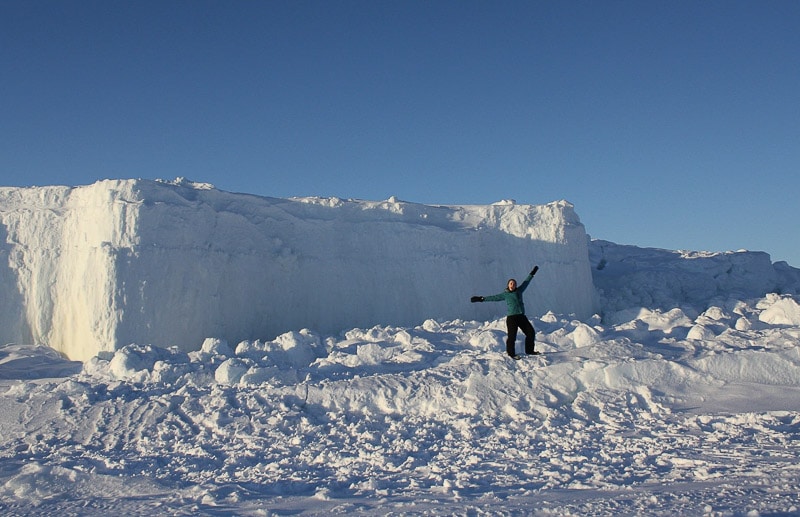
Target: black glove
column 476, row 299
column 535, row 269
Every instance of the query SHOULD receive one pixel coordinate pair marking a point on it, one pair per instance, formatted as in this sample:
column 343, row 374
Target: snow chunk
column 700, row 333
column 780, row 311
column 231, row 370
column 215, row 346
column 135, row 362
column 289, row 350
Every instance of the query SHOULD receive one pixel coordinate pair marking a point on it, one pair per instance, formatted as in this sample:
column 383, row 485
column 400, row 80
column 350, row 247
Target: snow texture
column 94, row 268
column 680, row 397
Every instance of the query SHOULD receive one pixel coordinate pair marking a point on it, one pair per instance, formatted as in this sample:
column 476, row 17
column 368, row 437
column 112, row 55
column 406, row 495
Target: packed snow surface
column 684, row 403
column 94, row 268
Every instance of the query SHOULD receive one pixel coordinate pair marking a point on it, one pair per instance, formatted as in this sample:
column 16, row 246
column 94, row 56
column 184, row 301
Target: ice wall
column 629, row 276
column 93, row 268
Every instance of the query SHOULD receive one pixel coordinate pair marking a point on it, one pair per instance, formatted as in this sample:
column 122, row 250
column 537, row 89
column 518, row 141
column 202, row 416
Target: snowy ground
column 657, row 412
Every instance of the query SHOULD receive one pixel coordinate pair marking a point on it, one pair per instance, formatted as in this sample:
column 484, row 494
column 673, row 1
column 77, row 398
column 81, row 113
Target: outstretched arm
column 492, row 298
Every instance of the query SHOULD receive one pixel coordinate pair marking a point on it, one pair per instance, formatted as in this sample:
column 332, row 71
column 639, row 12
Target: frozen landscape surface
column 680, row 396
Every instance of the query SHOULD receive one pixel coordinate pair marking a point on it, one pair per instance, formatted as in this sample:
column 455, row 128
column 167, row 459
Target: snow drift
column 94, row 268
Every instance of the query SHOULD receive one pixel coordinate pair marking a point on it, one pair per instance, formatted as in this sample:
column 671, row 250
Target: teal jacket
column 513, row 298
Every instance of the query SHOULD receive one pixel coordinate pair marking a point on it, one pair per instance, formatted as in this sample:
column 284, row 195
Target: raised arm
column 527, row 280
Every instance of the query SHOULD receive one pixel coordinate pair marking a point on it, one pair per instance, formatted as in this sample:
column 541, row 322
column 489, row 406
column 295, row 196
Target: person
column 515, row 319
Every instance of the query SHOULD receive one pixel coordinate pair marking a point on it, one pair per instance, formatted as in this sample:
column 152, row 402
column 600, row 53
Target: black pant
column 515, row 322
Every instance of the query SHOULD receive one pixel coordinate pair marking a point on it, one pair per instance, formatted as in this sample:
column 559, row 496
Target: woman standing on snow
column 516, row 318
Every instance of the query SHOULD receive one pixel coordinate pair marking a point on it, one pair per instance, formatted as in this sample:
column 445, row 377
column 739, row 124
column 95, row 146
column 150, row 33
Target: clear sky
column 670, row 124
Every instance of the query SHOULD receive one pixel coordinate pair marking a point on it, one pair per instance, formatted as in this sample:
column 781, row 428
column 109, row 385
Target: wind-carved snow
column 94, row 268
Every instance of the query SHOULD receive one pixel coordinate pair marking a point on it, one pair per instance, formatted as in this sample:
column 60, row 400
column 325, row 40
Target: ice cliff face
column 629, row 276
column 94, row 268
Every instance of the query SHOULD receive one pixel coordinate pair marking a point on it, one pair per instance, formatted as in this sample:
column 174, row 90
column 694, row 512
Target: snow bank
column 94, row 268
column 632, row 277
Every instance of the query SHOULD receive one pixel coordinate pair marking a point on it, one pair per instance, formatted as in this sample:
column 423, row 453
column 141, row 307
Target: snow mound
column 94, row 268
column 781, row 310
column 31, row 362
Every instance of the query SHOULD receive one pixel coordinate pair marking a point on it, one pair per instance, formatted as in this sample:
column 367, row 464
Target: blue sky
column 670, row 124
